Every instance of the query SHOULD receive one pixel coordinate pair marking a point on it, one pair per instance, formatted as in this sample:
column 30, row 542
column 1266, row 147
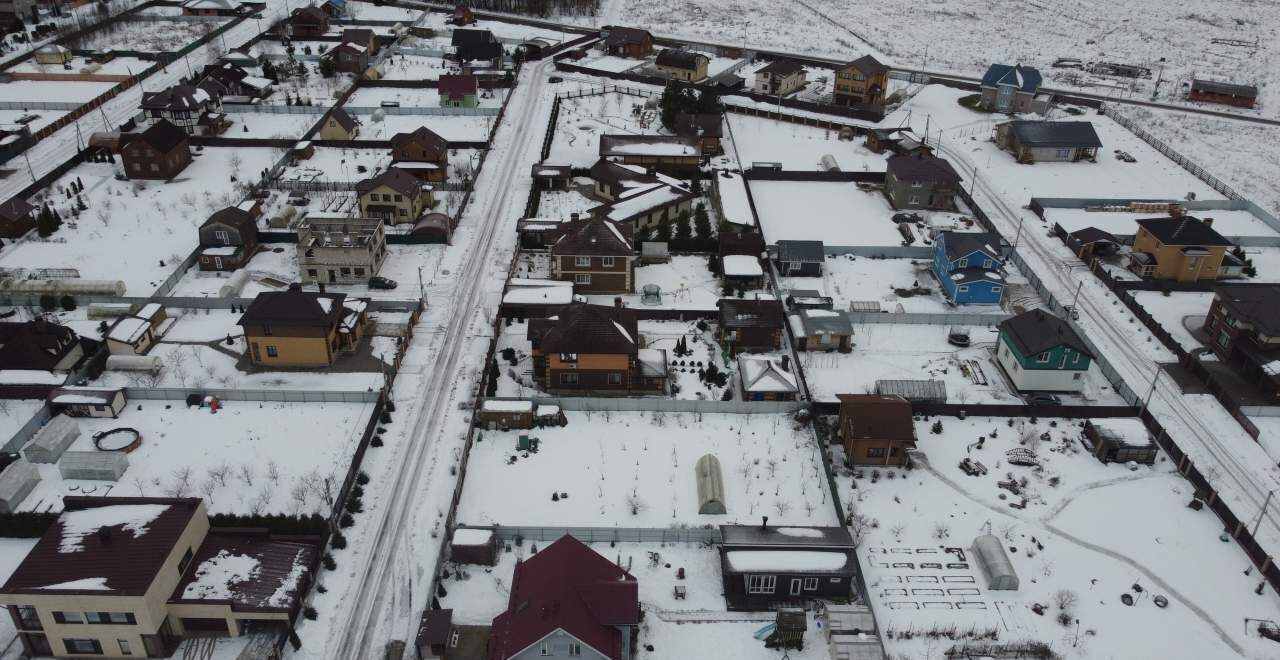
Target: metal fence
column 921, row 318
column 239, row 108
column 880, row 251
column 447, row 111
column 350, row 186
column 655, row 404
column 611, row 534
column 282, row 396
column 39, row 105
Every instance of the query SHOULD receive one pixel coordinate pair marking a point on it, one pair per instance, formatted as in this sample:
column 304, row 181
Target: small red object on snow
column 213, row 405
column 680, row 573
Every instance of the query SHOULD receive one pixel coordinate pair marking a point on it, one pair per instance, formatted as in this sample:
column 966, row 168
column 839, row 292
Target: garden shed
column 473, row 546
column 991, row 556
column 51, row 440
column 93, row 465
column 16, row 482
column 1113, row 446
column 710, row 485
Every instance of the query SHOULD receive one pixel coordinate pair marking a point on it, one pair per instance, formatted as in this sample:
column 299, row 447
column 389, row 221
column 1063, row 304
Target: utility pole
column 422, row 291
column 1076, row 299
column 1263, row 512
column 1146, row 403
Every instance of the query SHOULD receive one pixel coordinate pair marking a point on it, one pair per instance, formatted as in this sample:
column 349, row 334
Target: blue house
column 967, row 266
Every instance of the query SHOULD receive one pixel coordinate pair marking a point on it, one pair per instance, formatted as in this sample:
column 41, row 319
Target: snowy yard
column 60, row 91
column 849, row 279
column 415, row 67
column 250, row 457
column 147, row 36
column 685, row 282
column 682, row 371
column 834, row 213
column 270, row 125
column 456, row 128
column 14, row 413
column 561, row 203
column 798, row 147
column 408, row 97
column 1174, row 311
column 117, row 66
column 368, row 11
column 637, row 470
column 1124, row 223
column 153, row 221
column 584, row 119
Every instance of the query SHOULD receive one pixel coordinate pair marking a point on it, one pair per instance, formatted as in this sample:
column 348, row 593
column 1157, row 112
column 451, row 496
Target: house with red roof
column 567, row 601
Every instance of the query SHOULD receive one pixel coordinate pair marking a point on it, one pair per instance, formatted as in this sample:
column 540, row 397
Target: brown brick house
column 422, row 153
column 297, row 328
column 752, row 326
column 228, row 239
column 861, row 82
column 17, row 217
column 160, row 152
column 594, row 349
column 308, row 22
column 629, row 42
column 1244, row 330
column 598, row 256
column 876, row 429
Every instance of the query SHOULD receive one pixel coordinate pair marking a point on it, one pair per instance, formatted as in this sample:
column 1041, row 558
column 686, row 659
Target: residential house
column 1180, row 248
column 395, row 196
column 739, row 242
column 1243, row 326
column 617, row 180
column 362, row 37
column 211, row 7
column 296, row 328
column 647, row 207
column 1012, row 89
column 598, row 256
column 477, row 48
column 767, row 378
column 764, row 568
column 17, row 217
column 160, row 152
column 38, row 345
column 705, row 127
column 308, row 23
column 132, row 576
column 235, row 82
column 335, row 8
column 1046, row 141
column 680, row 64
column 349, row 57
column 863, row 81
column 458, row 91
column 568, row 601
column 901, row 140
column 671, row 152
column 228, row 239
column 87, row 401
column 462, row 15
column 821, row 329
column 594, row 350
column 53, row 54
column 779, row 78
column 339, row 126
column 876, row 429
column 628, row 42
column 753, row 326
column 967, row 264
column 130, row 335
column 799, row 258
column 196, row 110
column 920, row 181
column 1210, row 91
column 242, row 56
column 742, row 272
column 340, row 250
column 1040, row 352
column 422, row 153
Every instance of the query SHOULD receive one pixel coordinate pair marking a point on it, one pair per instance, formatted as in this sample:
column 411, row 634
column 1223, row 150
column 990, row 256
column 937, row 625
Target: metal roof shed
column 993, row 559
column 48, row 444
column 16, row 482
column 710, row 486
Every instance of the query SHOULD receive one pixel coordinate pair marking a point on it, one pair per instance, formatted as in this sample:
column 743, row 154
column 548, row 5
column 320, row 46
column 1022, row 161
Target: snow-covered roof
column 786, row 560
column 643, row 200
column 539, row 295
column 741, row 265
column 31, row 377
column 733, row 199
column 149, row 311
column 133, row 518
column 226, row 5
column 220, row 250
column 471, row 536
column 215, row 576
column 764, row 373
column 494, row 405
column 129, row 330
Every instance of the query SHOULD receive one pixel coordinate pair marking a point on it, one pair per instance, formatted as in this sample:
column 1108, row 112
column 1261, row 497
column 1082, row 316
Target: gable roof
column 738, row 313
column 491, row 50
column 963, row 243
column 619, row 36
column 921, row 166
column 310, row 15
column 395, row 179
column 824, row 321
column 680, row 58
column 1255, row 304
column 344, row 120
column 163, row 136
column 1186, row 230
column 178, row 97
column 748, row 243
column 1037, row 331
column 878, row 416
column 781, row 67
column 567, row 586
column 471, row 37
column 452, row 85
column 36, row 344
column 584, row 328
column 641, row 201
column 294, row 307
column 594, row 236
column 611, row 173
column 1025, row 78
column 1078, row 134
column 868, row 65
column 234, row 217
column 363, row 36
column 424, row 137
column 15, row 209
column 801, row 251
column 765, row 373
column 1092, row 235
column 699, row 125
column 1228, row 89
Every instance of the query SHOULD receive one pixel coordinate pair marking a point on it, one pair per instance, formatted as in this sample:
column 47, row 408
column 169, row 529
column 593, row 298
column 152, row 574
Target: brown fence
column 757, row 174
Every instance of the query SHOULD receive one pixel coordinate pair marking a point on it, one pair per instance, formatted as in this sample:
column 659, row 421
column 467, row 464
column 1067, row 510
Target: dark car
column 907, row 217
column 386, row 283
column 1043, row 399
column 555, row 79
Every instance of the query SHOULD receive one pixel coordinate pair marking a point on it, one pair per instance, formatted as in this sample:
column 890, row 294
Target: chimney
column 1208, row 222
column 104, row 534
column 295, row 286
column 617, row 302
column 573, row 217
column 764, row 523
column 786, row 363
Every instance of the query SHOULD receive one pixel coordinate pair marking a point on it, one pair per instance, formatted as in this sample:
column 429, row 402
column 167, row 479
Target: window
column 266, row 329
column 917, row 184
column 761, row 584
column 962, row 263
column 1042, row 358
column 399, row 198
column 545, row 650
column 359, row 272
column 68, row 617
column 126, row 618
column 568, row 379
column 875, row 452
column 962, row 288
column 1064, row 153
column 1076, row 376
column 582, row 278
column 1076, row 359
column 346, row 272
column 574, row 649
column 835, row 580
column 272, row 351
column 311, row 272
column 571, row 358
column 606, row 262
column 582, row 262
column 95, row 617
column 155, row 168
column 915, row 199
column 28, row 618
column 810, row 584
column 82, row 646
column 221, row 235
column 615, row 379
column 996, row 289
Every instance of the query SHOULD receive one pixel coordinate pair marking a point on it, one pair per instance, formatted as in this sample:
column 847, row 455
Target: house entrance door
column 795, row 586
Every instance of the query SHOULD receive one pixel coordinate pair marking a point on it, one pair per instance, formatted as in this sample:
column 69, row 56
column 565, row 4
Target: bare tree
column 273, row 472
column 635, row 504
column 941, row 530
column 782, row 507
column 218, row 473
column 1065, row 599
column 246, row 473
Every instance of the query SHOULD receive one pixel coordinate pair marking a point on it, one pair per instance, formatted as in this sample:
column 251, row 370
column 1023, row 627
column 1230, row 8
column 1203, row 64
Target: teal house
column 1040, row 352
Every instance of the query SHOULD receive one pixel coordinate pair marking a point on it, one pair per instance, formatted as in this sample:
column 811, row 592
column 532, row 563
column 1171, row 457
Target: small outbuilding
column 16, row 482
column 497, row 414
column 51, row 440
column 473, row 546
column 799, row 258
column 130, row 335
column 87, row 401
column 1111, row 446
column 710, row 486
column 93, row 465
column 991, row 557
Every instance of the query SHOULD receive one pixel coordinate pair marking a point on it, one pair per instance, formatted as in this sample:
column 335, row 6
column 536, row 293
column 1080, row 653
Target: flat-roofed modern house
column 1040, row 352
column 764, row 568
column 1045, row 141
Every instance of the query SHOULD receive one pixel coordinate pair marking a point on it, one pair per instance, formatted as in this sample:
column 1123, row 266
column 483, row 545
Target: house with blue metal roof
column 967, row 266
column 1014, row 88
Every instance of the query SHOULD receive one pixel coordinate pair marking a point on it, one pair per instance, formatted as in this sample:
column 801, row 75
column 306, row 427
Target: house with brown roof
column 133, row 576
column 1180, row 248
column 920, row 181
column 395, row 196
column 705, row 127
column 421, row 153
column 349, row 57
column 861, row 82
column 17, row 217
column 160, row 152
column 1243, row 325
column 595, row 350
column 876, row 429
column 779, row 78
column 681, row 64
column 308, row 22
column 296, row 328
column 458, row 90
column 647, row 207
column 228, row 239
column 752, row 326
column 568, row 601
column 338, row 125
column 629, row 42
column 598, row 256
column 672, row 152
column 194, row 109
column 38, row 345
column 362, row 37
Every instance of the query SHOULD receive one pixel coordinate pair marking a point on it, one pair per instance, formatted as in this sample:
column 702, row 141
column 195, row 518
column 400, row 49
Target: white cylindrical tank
column 148, row 363
column 109, row 310
column 64, row 287
column 235, row 284
column 828, row 163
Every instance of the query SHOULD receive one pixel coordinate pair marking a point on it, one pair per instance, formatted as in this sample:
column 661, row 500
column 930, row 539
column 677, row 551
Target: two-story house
column 1180, row 248
column 349, row 57
column 395, row 196
column 967, row 266
column 160, row 152
column 339, row 125
column 308, row 23
column 196, row 110
column 779, row 78
column 362, row 37
column 876, row 429
column 1048, row 141
column 753, row 326
column 647, row 207
column 296, row 328
column 1244, row 330
column 17, row 217
column 126, row 577
column 1013, row 89
column 628, row 42
column 234, row 82
column 567, row 601
column 680, row 64
column 422, row 153
column 475, row 48
column 598, row 256
column 594, row 350
column 458, row 90
column 861, row 82
column 920, row 181
column 1040, row 352
column 38, row 345
column 340, row 250
column 617, row 180
column 228, row 239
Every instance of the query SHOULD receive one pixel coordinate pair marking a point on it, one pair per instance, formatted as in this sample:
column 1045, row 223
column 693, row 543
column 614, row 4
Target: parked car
column 907, row 217
column 1043, row 399
column 385, row 283
column 555, row 79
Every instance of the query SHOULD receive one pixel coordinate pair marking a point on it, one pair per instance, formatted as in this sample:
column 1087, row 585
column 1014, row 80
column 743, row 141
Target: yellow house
column 395, row 196
column 682, row 64
column 338, row 125
column 297, row 328
column 129, row 577
column 1182, row 248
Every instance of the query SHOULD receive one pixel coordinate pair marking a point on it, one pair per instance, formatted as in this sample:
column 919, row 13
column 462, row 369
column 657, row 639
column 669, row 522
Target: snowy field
column 686, row 283
column 60, row 91
column 1072, row 535
column 116, row 66
column 14, row 413
column 562, row 203
column 414, row 67
column 1173, row 312
column 250, row 457
column 367, row 11
column 455, row 128
column 316, row 89
column 584, row 119
column 834, row 213
column 425, row 97
column 797, row 147
column 154, row 221
column 42, row 117
column 1124, row 223
column 637, row 470
column 147, row 36
column 848, row 279
column 270, row 125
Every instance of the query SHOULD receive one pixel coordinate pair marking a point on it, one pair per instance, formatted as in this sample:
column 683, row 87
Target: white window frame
column 811, row 584
column 582, row 278
column 963, row 288
column 914, row 199
column 582, row 262
column 1043, row 358
column 573, row 649
column 761, row 584
column 795, row 586
column 545, row 650
column 962, row 263
column 606, row 262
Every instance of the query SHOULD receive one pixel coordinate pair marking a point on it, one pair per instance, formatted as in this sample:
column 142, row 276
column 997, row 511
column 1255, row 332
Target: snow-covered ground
column 414, row 67
column 425, row 97
column 14, row 413
column 117, row 66
column 562, row 203
column 1174, row 310
column 147, row 36
column 834, row 213
column 686, row 282
column 637, row 470
column 450, row 127
column 682, row 371
column 849, row 279
column 270, row 125
column 1124, row 223
column 798, row 147
column 368, row 11
column 584, row 119
column 249, row 457
column 61, row 91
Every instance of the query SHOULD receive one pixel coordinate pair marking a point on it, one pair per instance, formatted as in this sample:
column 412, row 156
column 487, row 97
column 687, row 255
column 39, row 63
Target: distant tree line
column 541, row 8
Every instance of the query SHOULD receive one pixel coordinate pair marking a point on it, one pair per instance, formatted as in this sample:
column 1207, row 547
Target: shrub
column 362, row 478
column 68, row 304
column 357, row 492
column 376, row 441
column 329, row 563
column 338, row 541
column 346, row 521
column 310, row 613
column 354, row 505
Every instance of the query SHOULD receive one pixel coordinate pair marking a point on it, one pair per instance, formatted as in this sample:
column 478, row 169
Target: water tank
column 235, row 284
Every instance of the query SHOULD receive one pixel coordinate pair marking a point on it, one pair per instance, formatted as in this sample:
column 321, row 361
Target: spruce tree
column 683, row 231
column 701, row 223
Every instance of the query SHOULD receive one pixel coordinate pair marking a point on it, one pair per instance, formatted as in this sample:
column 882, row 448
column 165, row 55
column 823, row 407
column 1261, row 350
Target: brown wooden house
column 363, row 37
column 422, row 153
column 752, row 326
column 228, row 239
column 308, row 22
column 629, row 42
column 704, row 127
column 594, row 349
column 861, row 82
column 160, row 152
column 17, row 217
column 597, row 255
column 349, row 57
column 876, row 429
